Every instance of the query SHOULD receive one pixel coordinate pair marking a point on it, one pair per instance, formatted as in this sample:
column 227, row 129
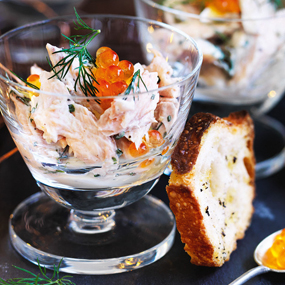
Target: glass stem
column 94, row 222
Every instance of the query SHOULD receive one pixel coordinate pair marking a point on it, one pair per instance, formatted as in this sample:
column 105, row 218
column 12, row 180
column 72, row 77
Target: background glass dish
column 90, row 236
column 243, row 68
column 20, row 12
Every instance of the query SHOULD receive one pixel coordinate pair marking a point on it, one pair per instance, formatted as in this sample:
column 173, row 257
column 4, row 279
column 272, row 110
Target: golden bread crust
column 183, row 199
column 187, row 149
column 189, row 223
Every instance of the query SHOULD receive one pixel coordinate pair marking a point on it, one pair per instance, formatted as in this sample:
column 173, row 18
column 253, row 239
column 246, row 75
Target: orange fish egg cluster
column 111, row 74
column 165, row 150
column 224, row 6
column 275, row 255
column 155, row 139
column 141, row 150
column 35, row 80
column 146, row 163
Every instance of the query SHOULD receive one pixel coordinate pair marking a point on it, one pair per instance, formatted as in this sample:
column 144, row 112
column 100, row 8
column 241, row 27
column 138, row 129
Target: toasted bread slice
column 211, row 188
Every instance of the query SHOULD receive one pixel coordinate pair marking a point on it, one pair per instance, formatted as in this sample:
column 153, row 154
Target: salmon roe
column 146, row 163
column 136, row 152
column 127, row 68
column 104, row 89
column 101, row 49
column 103, row 86
column 165, row 150
column 113, row 72
column 100, row 73
column 107, row 58
column 155, row 138
column 275, row 255
column 224, row 6
column 35, row 80
column 118, row 87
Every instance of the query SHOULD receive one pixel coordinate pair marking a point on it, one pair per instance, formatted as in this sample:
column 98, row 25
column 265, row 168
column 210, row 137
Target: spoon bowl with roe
column 269, row 254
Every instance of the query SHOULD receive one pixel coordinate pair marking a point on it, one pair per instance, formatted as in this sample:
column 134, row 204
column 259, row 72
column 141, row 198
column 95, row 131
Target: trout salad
column 88, row 116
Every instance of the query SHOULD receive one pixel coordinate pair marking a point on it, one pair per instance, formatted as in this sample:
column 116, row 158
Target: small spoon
column 258, row 254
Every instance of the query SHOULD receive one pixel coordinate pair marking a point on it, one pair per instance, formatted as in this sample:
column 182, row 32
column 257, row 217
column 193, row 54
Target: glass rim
column 135, row 18
column 203, row 18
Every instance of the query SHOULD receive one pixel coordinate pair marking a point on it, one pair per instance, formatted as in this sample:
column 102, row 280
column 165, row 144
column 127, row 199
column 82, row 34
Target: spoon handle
column 249, row 274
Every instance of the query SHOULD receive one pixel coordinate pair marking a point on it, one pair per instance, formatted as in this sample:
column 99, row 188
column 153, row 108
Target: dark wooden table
column 16, row 184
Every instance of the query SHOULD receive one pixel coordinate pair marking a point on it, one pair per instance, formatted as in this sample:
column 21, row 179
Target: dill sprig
column 39, row 279
column 78, row 49
column 132, row 85
column 26, row 82
column 278, row 3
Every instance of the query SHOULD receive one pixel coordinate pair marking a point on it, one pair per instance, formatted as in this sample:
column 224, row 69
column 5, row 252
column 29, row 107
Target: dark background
column 16, row 184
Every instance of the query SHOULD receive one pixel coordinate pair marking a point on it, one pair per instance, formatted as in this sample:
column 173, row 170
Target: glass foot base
column 143, row 233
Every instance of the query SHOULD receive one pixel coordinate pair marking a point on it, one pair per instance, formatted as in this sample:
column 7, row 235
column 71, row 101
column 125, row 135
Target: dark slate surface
column 16, row 184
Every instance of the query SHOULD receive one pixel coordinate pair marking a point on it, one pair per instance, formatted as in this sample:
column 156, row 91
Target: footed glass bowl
column 96, row 157
column 243, row 46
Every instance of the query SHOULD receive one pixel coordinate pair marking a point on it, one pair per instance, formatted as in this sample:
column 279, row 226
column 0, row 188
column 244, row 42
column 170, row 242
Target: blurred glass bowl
column 27, row 11
column 243, row 60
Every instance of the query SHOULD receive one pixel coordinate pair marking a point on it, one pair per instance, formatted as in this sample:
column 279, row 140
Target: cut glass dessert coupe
column 95, row 156
column 243, row 46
